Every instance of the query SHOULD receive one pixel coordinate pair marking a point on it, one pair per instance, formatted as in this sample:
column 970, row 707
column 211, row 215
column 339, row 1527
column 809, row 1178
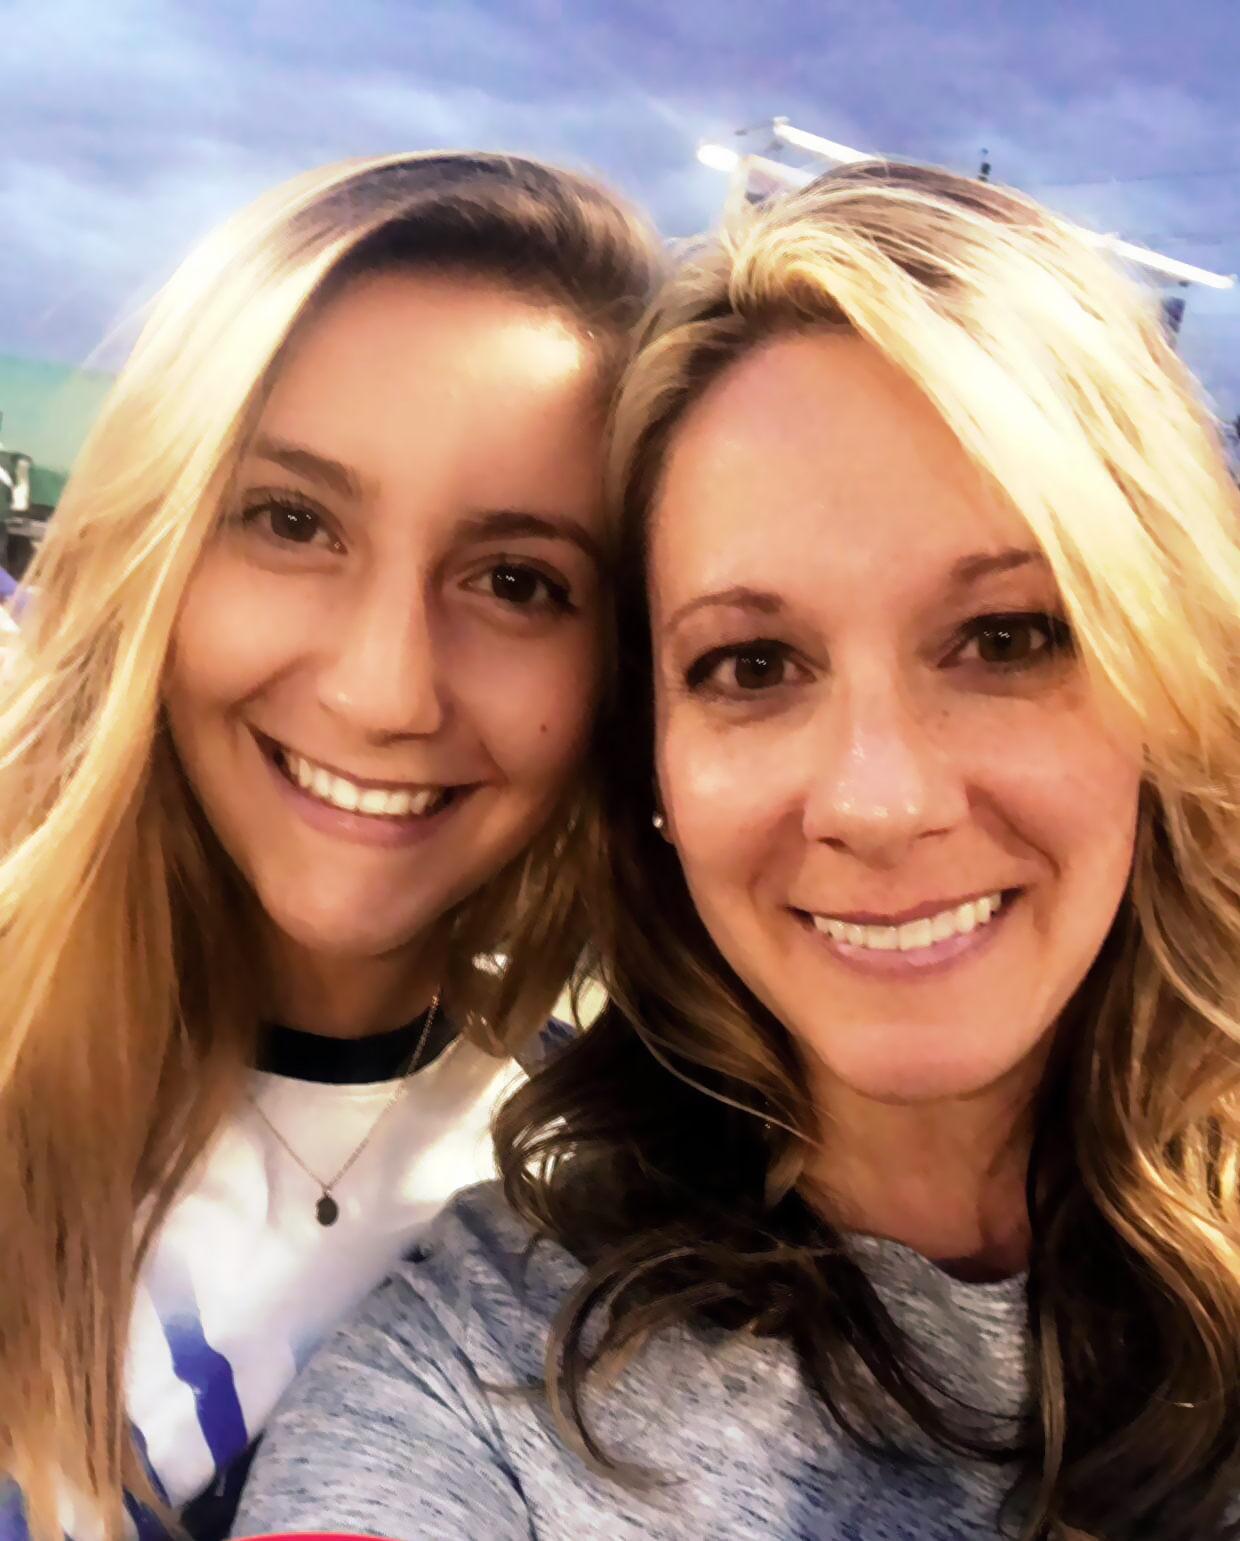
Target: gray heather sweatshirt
column 392, row 1430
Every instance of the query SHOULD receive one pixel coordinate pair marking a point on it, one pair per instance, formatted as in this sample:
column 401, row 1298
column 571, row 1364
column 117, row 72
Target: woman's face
column 387, row 662
column 902, row 814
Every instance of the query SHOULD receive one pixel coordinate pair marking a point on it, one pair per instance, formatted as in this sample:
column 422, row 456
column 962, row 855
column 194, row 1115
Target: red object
column 311, row 1535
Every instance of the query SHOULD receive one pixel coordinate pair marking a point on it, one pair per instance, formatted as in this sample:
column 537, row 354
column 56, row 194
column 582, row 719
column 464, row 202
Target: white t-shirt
column 243, row 1281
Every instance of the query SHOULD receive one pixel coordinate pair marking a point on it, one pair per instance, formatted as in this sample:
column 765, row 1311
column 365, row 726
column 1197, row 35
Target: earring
column 658, row 821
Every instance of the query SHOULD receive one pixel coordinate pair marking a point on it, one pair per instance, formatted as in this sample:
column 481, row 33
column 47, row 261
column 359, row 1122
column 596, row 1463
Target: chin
column 343, row 930
column 909, row 1078
column 343, row 941
column 913, row 1086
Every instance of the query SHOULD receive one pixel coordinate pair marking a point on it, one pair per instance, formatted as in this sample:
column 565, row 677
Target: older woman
column 896, row 1194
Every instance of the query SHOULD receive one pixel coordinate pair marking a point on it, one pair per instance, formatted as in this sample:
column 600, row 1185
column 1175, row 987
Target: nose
column 380, row 671
column 880, row 781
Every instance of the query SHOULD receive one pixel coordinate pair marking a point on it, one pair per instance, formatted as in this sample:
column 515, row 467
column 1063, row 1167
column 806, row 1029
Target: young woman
column 896, row 1194
column 299, row 734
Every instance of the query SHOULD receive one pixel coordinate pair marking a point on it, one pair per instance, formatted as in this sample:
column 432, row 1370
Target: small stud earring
column 658, row 821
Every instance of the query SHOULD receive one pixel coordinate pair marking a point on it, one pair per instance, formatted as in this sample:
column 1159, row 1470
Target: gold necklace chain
column 326, row 1210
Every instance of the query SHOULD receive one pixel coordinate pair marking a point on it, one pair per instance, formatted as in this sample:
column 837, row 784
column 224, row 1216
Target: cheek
column 1072, row 792
column 208, row 662
column 1100, row 827
column 235, row 632
column 533, row 706
column 728, row 795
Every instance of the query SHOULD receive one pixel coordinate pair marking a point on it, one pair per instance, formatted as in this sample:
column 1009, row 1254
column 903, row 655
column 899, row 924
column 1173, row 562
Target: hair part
column 664, row 1149
column 125, row 947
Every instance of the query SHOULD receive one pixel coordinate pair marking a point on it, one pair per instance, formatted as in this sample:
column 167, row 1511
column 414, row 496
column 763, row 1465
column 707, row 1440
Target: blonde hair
column 130, row 993
column 669, row 1142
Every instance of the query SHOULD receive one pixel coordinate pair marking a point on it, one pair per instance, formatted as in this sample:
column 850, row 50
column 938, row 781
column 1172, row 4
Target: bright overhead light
column 789, row 176
column 816, row 145
column 1157, row 263
column 718, row 157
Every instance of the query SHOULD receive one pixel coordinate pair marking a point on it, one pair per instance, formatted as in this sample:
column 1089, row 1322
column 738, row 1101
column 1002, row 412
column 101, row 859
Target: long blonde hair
column 665, row 1148
column 130, row 999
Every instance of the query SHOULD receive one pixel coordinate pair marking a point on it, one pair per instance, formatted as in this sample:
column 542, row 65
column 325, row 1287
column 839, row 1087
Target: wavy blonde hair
column 665, row 1147
column 131, row 995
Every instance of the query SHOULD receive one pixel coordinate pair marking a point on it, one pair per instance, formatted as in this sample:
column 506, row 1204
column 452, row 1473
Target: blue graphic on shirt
column 13, row 1525
column 206, row 1371
column 146, row 1526
column 209, row 1376
column 139, row 1444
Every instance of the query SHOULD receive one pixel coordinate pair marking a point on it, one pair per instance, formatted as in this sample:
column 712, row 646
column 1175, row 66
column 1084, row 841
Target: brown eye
column 759, row 669
column 515, row 585
column 285, row 521
column 294, row 524
column 524, row 588
column 1004, row 642
column 747, row 668
column 1008, row 642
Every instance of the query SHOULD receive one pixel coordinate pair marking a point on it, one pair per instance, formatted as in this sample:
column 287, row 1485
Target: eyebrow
column 333, row 474
column 343, row 480
column 759, row 601
column 972, row 569
column 515, row 525
column 964, row 574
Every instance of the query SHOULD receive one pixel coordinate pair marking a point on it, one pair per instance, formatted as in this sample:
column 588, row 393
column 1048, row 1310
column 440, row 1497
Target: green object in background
column 48, row 410
column 46, row 486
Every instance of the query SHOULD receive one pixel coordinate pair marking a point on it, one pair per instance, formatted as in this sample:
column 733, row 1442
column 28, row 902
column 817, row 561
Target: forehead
column 443, row 386
column 814, row 463
column 399, row 330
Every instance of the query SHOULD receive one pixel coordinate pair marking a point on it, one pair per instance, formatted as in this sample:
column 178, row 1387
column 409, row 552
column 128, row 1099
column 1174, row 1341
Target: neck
column 342, row 997
column 945, row 1178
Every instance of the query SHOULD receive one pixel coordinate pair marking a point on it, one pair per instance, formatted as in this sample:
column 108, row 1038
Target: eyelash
column 1057, row 634
column 699, row 674
column 558, row 595
column 282, row 503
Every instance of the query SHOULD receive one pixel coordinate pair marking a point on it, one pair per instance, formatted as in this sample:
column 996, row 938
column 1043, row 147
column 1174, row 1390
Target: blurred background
column 130, row 127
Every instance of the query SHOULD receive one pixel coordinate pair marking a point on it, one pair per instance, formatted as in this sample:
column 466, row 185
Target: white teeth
column 344, row 794
column 378, row 802
column 914, row 934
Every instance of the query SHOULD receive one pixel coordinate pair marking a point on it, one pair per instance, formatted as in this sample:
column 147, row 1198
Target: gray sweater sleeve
column 387, row 1433
column 410, row 1424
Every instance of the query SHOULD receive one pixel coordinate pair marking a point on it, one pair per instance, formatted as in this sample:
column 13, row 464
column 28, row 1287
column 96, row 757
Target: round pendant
column 326, row 1211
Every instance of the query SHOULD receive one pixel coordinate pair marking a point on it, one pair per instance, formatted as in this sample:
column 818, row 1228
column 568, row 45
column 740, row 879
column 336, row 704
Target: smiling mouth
column 916, row 935
column 370, row 799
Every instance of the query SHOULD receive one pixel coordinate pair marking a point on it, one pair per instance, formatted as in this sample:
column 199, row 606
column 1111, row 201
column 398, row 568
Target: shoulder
column 480, row 1276
column 477, row 1231
column 477, row 1254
